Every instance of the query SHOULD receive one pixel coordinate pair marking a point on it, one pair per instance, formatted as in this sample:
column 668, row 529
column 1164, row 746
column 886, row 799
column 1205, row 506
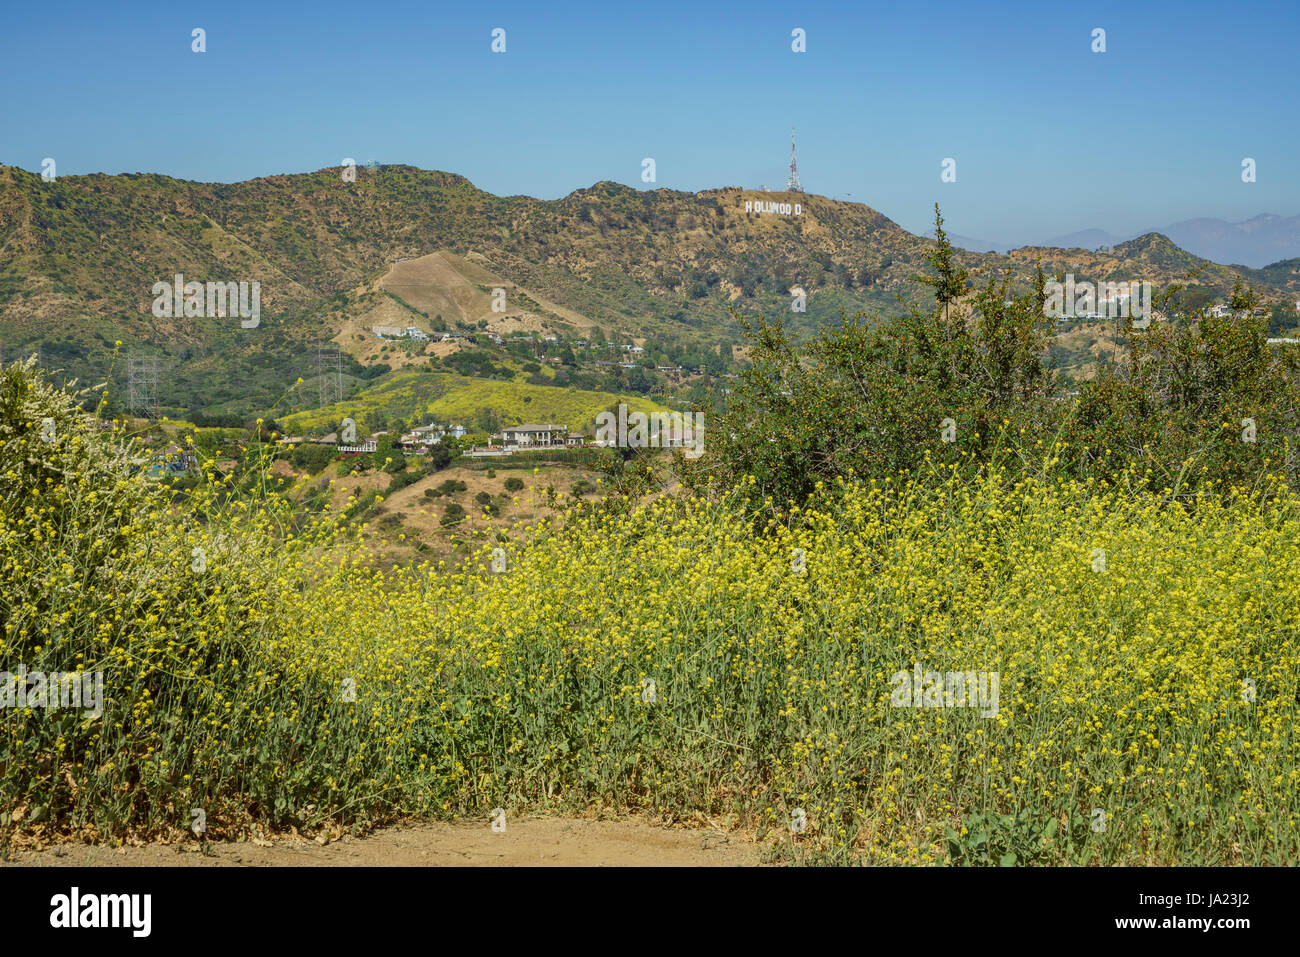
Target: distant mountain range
column 1257, row 242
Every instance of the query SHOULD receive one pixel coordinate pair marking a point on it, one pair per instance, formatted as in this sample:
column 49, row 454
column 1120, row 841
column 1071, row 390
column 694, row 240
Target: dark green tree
column 949, row 279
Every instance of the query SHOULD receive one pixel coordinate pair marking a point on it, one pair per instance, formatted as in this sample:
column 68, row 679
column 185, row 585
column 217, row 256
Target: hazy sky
column 1048, row 136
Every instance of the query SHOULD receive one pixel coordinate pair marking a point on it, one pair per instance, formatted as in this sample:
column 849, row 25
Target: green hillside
column 452, row 399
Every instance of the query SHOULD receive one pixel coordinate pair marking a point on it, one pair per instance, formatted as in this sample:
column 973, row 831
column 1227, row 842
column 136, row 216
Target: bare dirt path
column 528, row 842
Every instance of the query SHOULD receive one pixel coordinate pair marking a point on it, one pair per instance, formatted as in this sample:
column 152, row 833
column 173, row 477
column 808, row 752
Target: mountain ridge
column 79, row 256
column 1255, row 243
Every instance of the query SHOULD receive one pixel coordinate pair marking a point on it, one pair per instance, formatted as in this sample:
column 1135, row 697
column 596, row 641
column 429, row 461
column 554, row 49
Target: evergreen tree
column 949, row 279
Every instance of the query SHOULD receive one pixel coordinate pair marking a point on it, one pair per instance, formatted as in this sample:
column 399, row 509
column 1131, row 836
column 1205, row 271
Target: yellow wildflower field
column 1132, row 665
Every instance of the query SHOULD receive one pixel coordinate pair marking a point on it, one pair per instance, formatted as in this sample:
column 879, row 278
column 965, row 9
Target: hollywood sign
column 781, row 209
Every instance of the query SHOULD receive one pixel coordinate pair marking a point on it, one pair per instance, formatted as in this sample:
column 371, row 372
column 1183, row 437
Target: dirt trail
column 535, row 842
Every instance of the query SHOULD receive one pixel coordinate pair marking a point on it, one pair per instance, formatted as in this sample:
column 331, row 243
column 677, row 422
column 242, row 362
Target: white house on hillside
column 540, row 436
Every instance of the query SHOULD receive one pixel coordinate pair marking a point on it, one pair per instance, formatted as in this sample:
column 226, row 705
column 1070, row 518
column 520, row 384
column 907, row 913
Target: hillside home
column 421, row 437
column 536, row 436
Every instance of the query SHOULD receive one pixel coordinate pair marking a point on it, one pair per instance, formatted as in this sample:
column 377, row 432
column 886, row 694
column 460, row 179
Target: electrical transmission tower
column 329, row 374
column 792, row 184
column 142, row 385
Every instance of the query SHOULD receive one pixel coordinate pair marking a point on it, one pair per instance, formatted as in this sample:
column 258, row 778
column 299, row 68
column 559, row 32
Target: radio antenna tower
column 792, row 184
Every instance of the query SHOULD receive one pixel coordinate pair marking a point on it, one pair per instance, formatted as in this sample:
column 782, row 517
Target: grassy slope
column 453, row 398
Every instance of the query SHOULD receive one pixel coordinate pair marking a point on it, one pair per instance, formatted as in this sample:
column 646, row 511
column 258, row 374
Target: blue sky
column 1048, row 136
